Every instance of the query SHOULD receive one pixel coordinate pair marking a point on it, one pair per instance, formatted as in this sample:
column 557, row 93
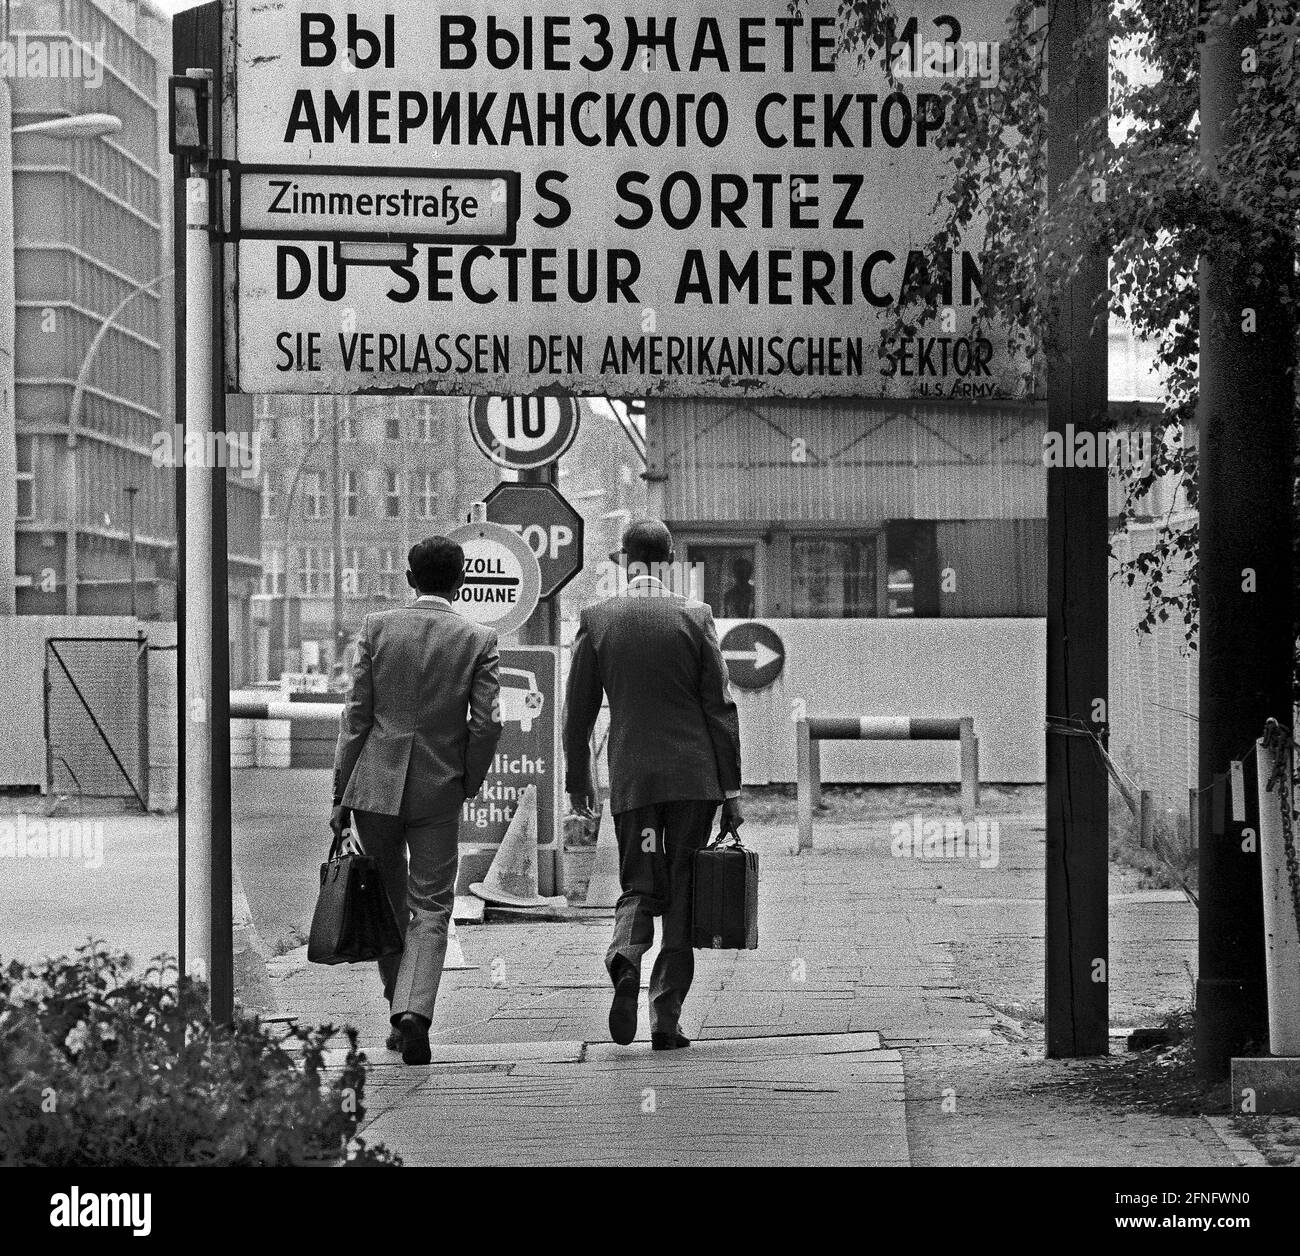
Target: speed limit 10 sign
column 523, row 433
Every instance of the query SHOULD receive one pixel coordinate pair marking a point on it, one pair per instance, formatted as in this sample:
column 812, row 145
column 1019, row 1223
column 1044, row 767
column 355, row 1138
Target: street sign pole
column 543, row 626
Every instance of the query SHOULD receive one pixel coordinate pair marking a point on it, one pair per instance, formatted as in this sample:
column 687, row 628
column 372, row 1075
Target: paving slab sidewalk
column 876, row 1024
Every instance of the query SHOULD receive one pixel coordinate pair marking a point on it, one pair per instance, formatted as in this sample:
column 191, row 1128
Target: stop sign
column 548, row 524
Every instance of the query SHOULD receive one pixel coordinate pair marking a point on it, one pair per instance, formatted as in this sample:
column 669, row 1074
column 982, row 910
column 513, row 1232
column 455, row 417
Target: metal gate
column 97, row 717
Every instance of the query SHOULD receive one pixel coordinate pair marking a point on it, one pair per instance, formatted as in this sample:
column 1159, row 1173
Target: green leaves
column 103, row 1065
column 1161, row 212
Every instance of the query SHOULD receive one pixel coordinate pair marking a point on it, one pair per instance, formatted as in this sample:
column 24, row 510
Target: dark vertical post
column 543, row 626
column 196, row 44
column 1245, row 469
column 131, row 491
column 1077, row 1022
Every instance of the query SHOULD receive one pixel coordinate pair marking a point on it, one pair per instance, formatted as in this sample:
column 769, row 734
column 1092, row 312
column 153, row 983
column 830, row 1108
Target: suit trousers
column 656, row 852
column 422, row 895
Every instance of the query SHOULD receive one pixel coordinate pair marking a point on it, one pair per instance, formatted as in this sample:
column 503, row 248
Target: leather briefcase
column 725, row 906
column 354, row 919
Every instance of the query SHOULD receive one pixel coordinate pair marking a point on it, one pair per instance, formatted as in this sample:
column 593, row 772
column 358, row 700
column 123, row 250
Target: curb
column 1244, row 1153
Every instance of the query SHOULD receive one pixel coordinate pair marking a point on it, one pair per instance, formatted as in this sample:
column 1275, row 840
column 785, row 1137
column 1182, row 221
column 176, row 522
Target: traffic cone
column 511, row 881
column 605, row 886
column 455, row 956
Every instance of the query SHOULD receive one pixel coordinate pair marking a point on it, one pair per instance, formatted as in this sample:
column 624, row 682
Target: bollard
column 1281, row 928
column 809, row 733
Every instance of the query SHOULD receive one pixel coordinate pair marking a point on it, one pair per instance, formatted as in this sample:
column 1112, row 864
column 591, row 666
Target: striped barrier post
column 244, row 707
column 810, row 733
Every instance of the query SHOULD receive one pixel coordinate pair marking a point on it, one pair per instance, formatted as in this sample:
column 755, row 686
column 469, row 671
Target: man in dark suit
column 674, row 755
column 418, row 734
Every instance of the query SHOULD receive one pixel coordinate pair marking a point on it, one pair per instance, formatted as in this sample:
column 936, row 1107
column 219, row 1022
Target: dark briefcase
column 354, row 918
column 725, row 908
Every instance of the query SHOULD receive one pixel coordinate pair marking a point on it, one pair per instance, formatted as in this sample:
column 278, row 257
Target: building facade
column 93, row 362
column 349, row 484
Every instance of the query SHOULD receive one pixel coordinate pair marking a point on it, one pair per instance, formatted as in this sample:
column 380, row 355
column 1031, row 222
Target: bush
column 103, row 1066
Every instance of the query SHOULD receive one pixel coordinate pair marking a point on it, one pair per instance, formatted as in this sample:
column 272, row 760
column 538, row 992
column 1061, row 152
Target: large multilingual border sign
column 636, row 197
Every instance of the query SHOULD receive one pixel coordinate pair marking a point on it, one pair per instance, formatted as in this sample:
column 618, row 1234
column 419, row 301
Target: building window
column 347, row 426
column 313, row 496
column 428, row 499
column 393, row 429
column 392, row 495
column 269, row 497
column 912, row 566
column 350, row 494
column 833, row 577
column 26, row 479
column 316, row 424
column 317, row 571
column 386, row 577
column 265, row 418
column 273, row 572
column 425, row 426
column 728, row 578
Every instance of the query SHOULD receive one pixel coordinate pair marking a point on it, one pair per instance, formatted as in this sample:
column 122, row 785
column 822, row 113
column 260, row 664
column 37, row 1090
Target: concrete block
column 1270, row 1083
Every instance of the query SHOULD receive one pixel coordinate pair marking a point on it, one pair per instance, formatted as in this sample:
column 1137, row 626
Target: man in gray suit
column 418, row 735
column 674, row 755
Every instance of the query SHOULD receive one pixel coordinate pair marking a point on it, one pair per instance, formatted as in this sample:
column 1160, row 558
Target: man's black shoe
column 394, row 1040
column 413, row 1030
column 622, row 1012
column 669, row 1042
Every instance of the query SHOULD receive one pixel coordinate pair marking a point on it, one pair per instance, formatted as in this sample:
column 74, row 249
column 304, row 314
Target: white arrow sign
column 760, row 655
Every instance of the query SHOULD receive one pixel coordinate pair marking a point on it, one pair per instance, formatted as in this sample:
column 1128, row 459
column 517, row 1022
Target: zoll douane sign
column 503, row 582
column 613, row 197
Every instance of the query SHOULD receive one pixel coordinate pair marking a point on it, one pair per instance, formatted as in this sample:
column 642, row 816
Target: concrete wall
column 992, row 669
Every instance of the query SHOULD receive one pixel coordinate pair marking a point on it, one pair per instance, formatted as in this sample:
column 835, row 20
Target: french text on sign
column 502, row 579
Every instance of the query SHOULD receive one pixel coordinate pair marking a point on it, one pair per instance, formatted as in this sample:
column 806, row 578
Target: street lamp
column 82, row 126
column 71, row 575
column 337, row 415
column 72, row 129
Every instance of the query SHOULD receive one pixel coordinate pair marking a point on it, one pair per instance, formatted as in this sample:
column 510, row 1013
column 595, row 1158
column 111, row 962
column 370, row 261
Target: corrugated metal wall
column 845, row 461
column 1154, row 690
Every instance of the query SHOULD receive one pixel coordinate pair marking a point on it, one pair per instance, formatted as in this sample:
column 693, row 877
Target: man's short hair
column 437, row 564
column 648, row 541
